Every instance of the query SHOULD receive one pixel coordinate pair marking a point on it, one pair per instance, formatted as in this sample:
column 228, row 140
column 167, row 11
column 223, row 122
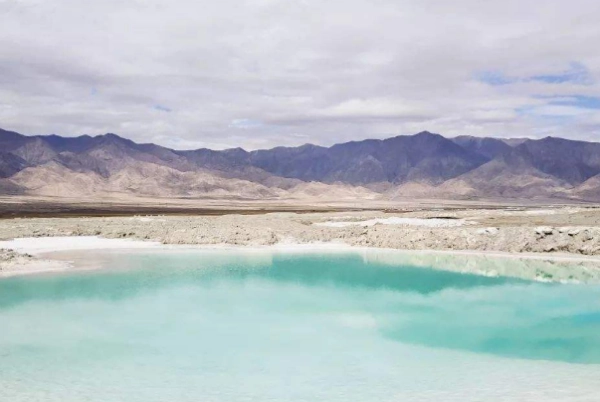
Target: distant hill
column 420, row 165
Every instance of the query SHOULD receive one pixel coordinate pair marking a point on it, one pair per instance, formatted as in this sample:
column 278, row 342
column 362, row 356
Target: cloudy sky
column 260, row 73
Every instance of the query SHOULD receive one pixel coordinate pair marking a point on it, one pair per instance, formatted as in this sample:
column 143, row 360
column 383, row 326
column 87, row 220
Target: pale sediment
column 560, row 230
column 16, row 263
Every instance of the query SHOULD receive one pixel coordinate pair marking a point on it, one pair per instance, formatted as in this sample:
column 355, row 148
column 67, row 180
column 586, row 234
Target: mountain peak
column 110, row 136
column 427, row 133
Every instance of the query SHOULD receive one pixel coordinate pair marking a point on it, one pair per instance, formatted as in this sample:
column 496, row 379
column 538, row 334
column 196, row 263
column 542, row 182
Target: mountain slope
column 144, row 179
column 11, row 164
column 572, row 161
column 7, row 187
column 35, row 151
column 588, row 190
column 422, row 165
column 9, row 140
column 488, row 147
column 152, row 180
column 423, row 157
column 510, row 175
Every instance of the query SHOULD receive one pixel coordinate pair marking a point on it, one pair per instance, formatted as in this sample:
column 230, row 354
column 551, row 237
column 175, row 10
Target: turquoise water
column 242, row 326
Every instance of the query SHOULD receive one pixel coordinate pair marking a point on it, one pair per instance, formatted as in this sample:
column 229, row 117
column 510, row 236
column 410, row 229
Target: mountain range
column 424, row 165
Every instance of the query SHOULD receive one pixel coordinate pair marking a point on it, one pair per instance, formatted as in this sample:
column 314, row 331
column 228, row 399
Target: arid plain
column 520, row 229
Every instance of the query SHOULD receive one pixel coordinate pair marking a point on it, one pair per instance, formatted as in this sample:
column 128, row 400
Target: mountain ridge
column 424, row 165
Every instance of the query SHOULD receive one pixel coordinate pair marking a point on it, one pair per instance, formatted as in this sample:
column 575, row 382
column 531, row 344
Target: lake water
column 276, row 326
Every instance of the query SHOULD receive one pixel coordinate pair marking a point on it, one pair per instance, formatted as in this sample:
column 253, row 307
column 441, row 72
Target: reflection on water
column 173, row 269
column 548, row 270
column 294, row 327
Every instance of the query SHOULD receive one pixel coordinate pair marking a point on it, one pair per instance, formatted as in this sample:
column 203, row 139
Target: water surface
column 239, row 326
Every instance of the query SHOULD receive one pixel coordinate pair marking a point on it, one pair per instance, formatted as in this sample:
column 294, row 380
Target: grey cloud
column 260, row 73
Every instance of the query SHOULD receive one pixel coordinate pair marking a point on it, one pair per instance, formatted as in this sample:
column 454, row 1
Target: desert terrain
column 571, row 231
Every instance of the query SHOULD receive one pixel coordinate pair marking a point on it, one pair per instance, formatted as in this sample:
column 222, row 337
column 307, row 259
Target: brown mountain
column 422, row 157
column 509, row 175
column 421, row 165
column 572, row 161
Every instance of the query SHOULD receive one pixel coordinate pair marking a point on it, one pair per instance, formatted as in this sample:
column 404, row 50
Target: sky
column 262, row 73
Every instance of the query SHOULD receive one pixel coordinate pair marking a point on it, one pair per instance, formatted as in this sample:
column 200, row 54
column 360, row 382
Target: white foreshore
column 477, row 262
column 430, row 223
column 43, row 245
column 39, row 245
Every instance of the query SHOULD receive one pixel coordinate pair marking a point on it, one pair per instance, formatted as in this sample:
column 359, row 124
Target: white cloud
column 559, row 110
column 260, row 73
column 378, row 108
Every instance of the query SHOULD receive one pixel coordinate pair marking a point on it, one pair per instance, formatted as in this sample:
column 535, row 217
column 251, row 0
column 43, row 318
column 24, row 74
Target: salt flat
column 556, row 232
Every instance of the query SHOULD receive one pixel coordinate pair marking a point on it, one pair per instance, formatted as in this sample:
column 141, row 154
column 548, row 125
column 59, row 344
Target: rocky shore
column 14, row 263
column 572, row 230
column 10, row 256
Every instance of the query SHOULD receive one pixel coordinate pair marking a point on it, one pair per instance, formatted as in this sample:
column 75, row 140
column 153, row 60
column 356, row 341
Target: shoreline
column 88, row 243
column 562, row 235
column 563, row 230
column 41, row 258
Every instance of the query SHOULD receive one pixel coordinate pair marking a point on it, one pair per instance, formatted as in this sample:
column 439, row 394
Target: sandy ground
column 18, row 263
column 549, row 231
